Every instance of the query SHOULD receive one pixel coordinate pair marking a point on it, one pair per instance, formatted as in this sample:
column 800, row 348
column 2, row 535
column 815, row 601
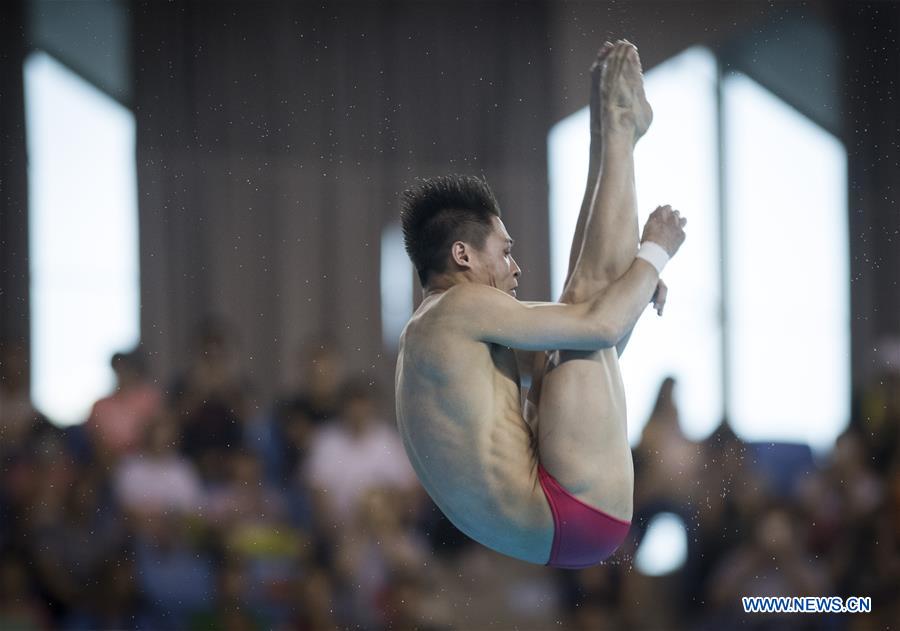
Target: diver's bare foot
column 624, row 105
column 596, row 109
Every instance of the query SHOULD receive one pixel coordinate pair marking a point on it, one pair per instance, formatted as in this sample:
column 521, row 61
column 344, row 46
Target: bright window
column 83, row 240
column 664, row 546
column 396, row 285
column 789, row 279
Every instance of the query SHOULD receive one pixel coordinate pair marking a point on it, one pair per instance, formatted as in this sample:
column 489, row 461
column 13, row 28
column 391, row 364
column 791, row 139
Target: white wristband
column 654, row 254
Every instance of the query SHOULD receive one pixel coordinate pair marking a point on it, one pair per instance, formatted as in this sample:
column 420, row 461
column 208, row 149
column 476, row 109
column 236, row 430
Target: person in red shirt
column 117, row 422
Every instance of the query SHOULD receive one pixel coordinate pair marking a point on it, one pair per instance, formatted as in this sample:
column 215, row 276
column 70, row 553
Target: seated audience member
column 21, row 425
column 845, row 505
column 316, row 608
column 590, row 592
column 719, row 516
column 251, row 520
column 878, row 416
column 158, row 479
column 118, row 603
column 230, row 609
column 176, row 577
column 117, row 422
column 321, row 378
column 294, row 432
column 774, row 561
column 666, row 461
column 74, row 527
column 358, row 452
column 284, row 444
column 20, row 606
column 853, row 478
column 379, row 544
column 296, row 428
column 212, row 400
column 59, row 566
column 406, row 603
column 245, row 496
column 878, row 569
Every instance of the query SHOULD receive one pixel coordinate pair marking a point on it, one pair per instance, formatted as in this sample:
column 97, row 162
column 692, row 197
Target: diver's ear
column 460, row 252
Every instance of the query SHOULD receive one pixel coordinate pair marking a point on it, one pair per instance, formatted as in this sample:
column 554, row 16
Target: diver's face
column 498, row 267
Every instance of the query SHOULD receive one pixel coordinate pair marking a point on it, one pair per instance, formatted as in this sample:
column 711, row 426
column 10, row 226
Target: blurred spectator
column 666, row 461
column 879, row 415
column 230, row 611
column 20, row 607
column 353, row 455
column 18, row 486
column 42, row 514
column 212, row 400
column 158, row 479
column 843, row 504
column 728, row 496
column 378, row 545
column 73, row 528
column 287, row 461
column 117, row 422
column 21, row 425
column 852, row 476
column 245, row 496
column 316, row 604
column 175, row 575
column 321, row 379
column 251, row 518
column 118, row 602
column 877, row 570
column 590, row 595
column 773, row 562
column 403, row 602
column 296, row 430
column 286, row 448
column 593, row 616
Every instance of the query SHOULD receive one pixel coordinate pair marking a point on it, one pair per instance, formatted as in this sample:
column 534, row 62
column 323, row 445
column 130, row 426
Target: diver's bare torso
column 460, row 415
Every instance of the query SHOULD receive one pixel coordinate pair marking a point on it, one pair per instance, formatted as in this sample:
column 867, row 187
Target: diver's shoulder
column 430, row 319
column 465, row 296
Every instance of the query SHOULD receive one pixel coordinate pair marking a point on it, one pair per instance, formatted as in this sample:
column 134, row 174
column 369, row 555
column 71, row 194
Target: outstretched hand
column 659, row 297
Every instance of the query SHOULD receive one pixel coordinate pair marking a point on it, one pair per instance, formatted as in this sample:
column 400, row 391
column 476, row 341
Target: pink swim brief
column 583, row 535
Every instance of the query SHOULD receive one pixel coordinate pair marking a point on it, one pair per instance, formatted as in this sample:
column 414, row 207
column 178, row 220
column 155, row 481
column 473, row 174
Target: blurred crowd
column 189, row 504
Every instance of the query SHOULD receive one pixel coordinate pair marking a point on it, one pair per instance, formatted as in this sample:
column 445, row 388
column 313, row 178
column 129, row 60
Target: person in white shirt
column 356, row 453
column 158, row 479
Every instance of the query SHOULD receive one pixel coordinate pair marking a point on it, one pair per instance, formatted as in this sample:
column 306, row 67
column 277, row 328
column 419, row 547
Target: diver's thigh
column 582, row 439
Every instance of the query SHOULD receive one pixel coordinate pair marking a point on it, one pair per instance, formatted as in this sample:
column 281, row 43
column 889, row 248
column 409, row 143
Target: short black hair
column 440, row 210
